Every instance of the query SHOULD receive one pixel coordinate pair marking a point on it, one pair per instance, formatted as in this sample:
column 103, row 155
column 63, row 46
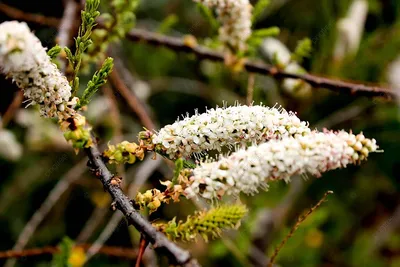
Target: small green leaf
column 303, row 50
column 98, row 80
column 259, row 9
column 267, row 32
column 54, row 51
column 207, row 14
column 167, row 24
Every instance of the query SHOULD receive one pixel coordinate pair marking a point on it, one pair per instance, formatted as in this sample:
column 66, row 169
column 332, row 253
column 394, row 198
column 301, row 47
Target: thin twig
column 159, row 241
column 177, row 44
column 143, row 243
column 134, row 103
column 296, row 226
column 55, row 194
column 25, row 16
column 120, row 252
column 10, row 112
column 268, row 221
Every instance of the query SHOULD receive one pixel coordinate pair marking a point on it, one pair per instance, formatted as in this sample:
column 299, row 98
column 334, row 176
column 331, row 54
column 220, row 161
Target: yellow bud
column 77, row 257
column 190, row 41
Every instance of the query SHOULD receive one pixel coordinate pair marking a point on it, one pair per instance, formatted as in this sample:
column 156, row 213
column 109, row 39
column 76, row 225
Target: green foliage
column 208, row 15
column 83, row 41
column 54, row 52
column 258, row 36
column 303, row 50
column 98, row 80
column 207, row 223
column 259, row 9
column 61, row 259
column 179, row 164
column 167, row 24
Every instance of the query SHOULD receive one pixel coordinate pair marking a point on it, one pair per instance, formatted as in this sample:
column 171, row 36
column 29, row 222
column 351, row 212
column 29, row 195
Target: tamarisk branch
column 123, row 203
column 177, row 44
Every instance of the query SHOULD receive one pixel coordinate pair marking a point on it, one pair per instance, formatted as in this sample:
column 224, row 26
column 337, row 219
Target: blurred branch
column 66, row 28
column 177, row 44
column 121, row 252
column 134, row 103
column 159, row 241
column 385, row 230
column 10, row 112
column 55, row 194
column 24, row 16
column 202, row 52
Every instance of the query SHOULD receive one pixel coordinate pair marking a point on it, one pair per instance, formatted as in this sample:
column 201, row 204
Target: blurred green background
column 357, row 226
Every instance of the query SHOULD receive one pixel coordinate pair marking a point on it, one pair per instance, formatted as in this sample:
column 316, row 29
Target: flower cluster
column 124, row 152
column 236, row 125
column 23, row 58
column 235, row 17
column 248, row 170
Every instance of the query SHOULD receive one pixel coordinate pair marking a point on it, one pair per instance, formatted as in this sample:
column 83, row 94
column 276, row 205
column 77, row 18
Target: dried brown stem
column 296, row 226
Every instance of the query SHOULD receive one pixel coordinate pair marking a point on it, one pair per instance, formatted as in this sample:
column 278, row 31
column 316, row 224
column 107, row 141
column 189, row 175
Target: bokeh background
column 357, row 226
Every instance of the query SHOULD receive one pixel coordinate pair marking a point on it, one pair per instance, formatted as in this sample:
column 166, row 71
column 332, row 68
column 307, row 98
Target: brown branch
column 177, row 44
column 24, row 16
column 10, row 112
column 121, row 252
column 202, row 52
column 159, row 241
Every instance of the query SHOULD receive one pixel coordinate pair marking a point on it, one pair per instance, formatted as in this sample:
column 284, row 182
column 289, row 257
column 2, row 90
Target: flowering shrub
column 255, row 144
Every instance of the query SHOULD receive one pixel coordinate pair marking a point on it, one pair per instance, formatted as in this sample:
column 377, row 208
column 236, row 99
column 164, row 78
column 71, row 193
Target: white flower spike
column 23, row 58
column 248, row 170
column 221, row 127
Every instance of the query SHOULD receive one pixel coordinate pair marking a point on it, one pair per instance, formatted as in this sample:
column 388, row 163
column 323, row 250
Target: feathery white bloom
column 235, row 17
column 236, row 125
column 248, row 170
column 23, row 58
